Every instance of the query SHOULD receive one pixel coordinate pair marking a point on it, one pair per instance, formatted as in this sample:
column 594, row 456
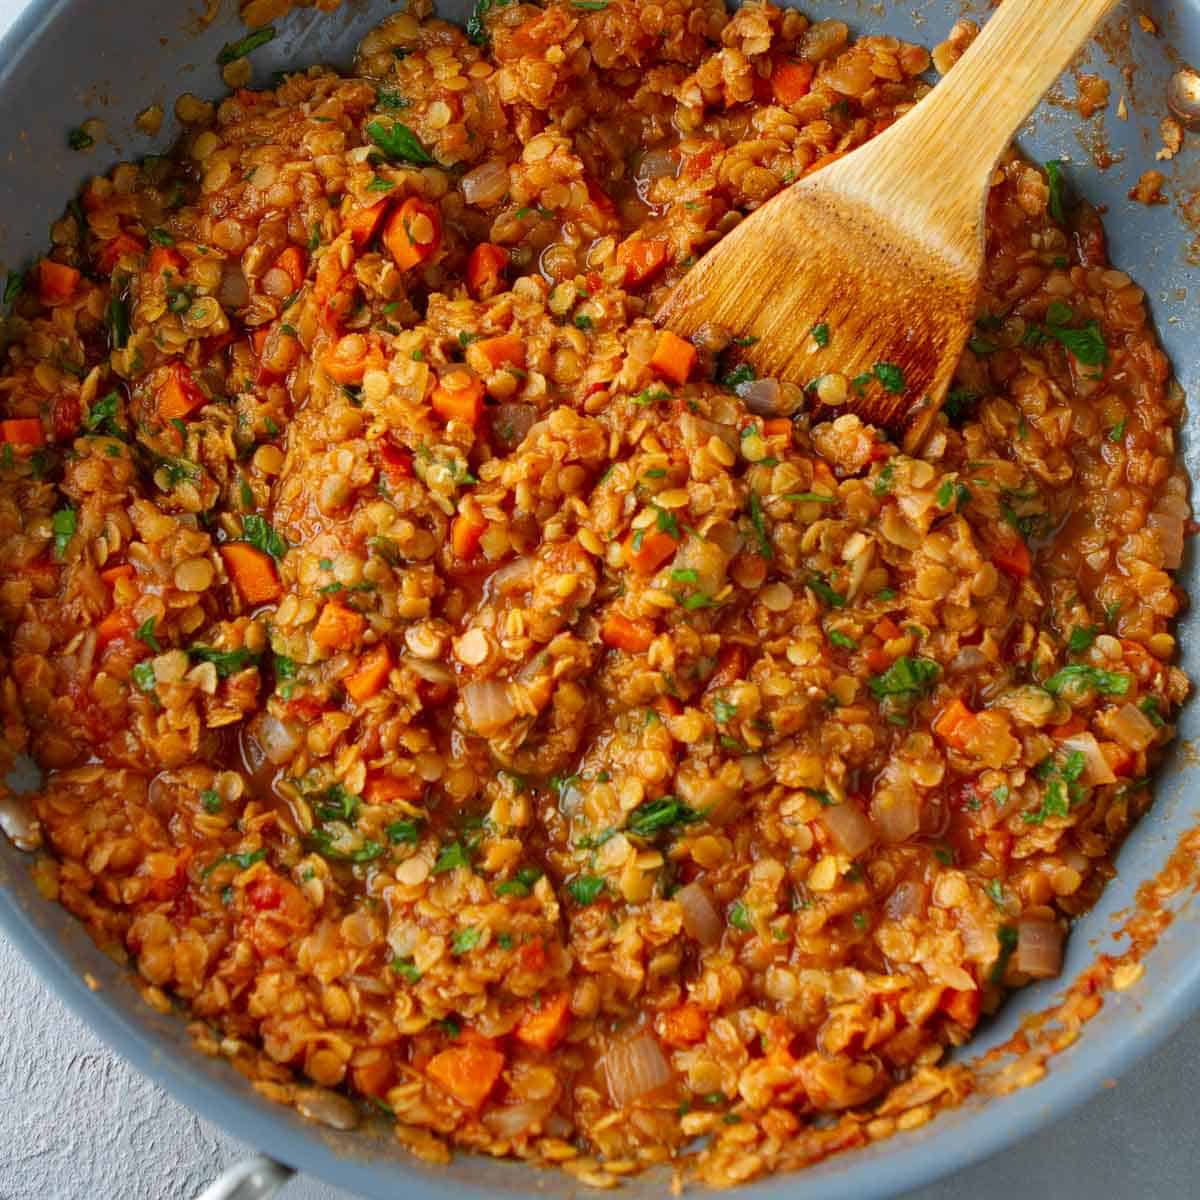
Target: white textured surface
column 76, row 1123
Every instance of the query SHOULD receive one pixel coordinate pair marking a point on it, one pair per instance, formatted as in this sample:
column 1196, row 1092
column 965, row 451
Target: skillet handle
column 254, row 1179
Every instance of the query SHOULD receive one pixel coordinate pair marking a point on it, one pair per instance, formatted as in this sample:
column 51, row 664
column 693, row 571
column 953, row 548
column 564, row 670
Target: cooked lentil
column 456, row 693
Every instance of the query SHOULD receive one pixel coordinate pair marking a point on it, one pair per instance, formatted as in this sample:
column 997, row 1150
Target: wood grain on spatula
column 885, row 246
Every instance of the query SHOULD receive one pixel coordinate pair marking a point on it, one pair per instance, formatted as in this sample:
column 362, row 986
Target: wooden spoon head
column 898, row 303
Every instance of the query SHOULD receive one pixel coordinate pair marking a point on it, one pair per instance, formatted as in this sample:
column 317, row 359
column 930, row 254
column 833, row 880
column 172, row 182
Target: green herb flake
column 403, row 833
column 465, row 940
column 79, row 139
column 1117, row 432
column 1054, row 177
column 145, row 633
column 227, row 662
column 905, row 677
column 585, row 889
column 840, row 639
column 891, row 376
column 1081, row 638
column 143, row 678
column 1107, row 683
column 883, row 481
column 1006, row 935
column 210, row 800
column 260, row 534
column 995, row 892
column 406, row 969
column 62, row 526
column 765, row 550
column 450, row 858
column 654, row 816
column 820, row 334
column 232, row 51
column 399, row 143
column 739, row 917
column 1086, row 344
column 741, row 374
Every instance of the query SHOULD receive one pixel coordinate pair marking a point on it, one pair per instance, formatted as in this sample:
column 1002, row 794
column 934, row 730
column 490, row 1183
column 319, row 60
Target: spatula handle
column 951, row 141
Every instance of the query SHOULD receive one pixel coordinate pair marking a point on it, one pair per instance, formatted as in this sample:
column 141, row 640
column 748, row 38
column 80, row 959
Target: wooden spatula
column 885, row 246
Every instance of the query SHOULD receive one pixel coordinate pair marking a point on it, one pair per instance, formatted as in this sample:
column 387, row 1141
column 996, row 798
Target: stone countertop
column 77, row 1123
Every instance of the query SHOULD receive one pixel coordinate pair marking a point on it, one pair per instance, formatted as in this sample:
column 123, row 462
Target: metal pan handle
column 254, row 1179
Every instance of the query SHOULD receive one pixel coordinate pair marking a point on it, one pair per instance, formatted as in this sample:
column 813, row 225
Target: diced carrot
column 113, row 248
column 1070, row 728
column 777, row 427
column 253, row 572
column 459, row 404
column 294, row 261
column 468, row 1072
column 667, row 706
column 544, row 1027
column 962, row 1006
column 604, row 211
column 953, row 723
column 363, row 222
column 385, row 789
column 485, row 270
column 374, row 1074
column 413, row 233
column 110, row 575
column 178, row 395
column 56, row 283
column 645, row 554
column 886, row 629
column 621, row 633
column 731, row 664
column 532, row 955
column 23, row 431
column 506, row 350
column 338, row 627
column 792, row 81
column 1119, row 758
column 349, row 358
column 642, row 259
column 397, row 462
column 368, row 678
column 877, row 660
column 1013, row 559
column 673, row 357
column 117, row 625
column 684, row 1026
column 164, row 259
column 466, row 531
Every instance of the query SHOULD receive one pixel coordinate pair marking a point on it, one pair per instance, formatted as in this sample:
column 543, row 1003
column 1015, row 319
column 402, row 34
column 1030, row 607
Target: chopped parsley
column 820, row 334
column 824, row 592
column 1006, row 935
column 244, row 861
column 102, row 416
column 1107, row 683
column 145, row 633
column 451, row 857
column 742, row 373
column 79, row 139
column 1117, row 432
column 584, row 889
column 262, row 536
column 905, row 677
column 227, row 662
column 62, row 526
column 210, row 800
column 406, row 969
column 403, row 833
column 840, row 639
column 739, row 917
column 883, row 482
column 654, row 816
column 399, row 143
column 759, row 524
column 1054, row 177
column 1086, row 344
column 465, row 940
column 1081, row 638
column 232, row 51
column 143, row 677
column 891, row 376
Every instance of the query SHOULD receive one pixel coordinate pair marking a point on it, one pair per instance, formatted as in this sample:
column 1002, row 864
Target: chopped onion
column 700, row 918
column 657, row 164
column 327, row 1108
column 511, row 1120
column 233, row 292
column 1097, row 769
column 1039, row 948
column 511, row 423
column 431, row 672
column 849, row 827
column 1169, row 518
column 512, row 576
column 1131, row 727
column 633, row 1068
column 896, row 814
column 969, row 658
column 487, row 184
column 18, row 823
column 489, row 708
column 279, row 742
column 764, row 398
column 907, row 900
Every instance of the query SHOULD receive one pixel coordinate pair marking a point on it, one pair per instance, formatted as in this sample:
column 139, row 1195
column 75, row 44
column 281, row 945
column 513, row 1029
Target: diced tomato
column 164, row 260
column 544, row 1026
column 265, row 893
column 294, row 261
column 65, row 415
column 532, row 955
column 962, row 1007
column 397, row 461
column 22, row 431
column 113, row 249
column 792, row 81
column 485, row 270
column 683, row 1026
column 179, row 395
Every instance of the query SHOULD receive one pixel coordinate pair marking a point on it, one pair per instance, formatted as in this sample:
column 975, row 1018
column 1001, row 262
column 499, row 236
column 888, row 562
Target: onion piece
column 700, row 917
column 18, row 823
column 279, row 742
column 1039, row 948
column 486, row 184
column 512, row 577
column 233, row 291
column 1131, row 727
column 657, row 164
column 633, row 1068
column 327, row 1108
column 1097, row 769
column 511, row 423
column 907, row 900
column 763, row 397
column 431, row 672
column 896, row 814
column 849, row 828
column 489, row 708
column 1169, row 519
